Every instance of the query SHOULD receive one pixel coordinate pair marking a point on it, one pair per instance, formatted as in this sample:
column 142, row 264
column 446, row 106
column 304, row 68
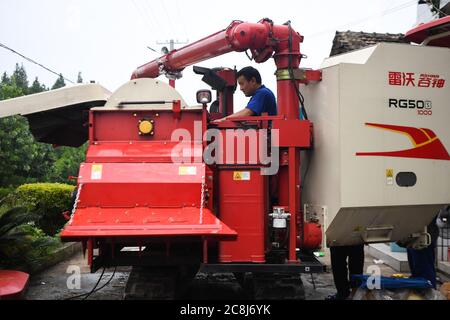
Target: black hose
column 88, row 294
column 106, row 283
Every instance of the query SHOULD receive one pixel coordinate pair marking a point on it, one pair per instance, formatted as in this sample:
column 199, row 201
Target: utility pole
column 171, row 44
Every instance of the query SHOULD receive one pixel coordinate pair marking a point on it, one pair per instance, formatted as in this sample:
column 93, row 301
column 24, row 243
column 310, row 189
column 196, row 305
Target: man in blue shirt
column 262, row 99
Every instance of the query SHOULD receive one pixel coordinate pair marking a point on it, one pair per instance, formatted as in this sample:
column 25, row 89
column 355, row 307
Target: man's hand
column 246, row 112
column 221, row 120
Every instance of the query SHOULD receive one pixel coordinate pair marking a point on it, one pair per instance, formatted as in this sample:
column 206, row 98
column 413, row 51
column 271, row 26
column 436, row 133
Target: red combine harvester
column 186, row 215
column 170, row 191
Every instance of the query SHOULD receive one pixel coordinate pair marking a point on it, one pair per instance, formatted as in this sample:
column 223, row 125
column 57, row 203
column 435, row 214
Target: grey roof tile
column 345, row 41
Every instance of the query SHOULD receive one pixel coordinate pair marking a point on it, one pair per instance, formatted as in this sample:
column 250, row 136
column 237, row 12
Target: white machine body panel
column 158, row 95
column 380, row 164
column 54, row 99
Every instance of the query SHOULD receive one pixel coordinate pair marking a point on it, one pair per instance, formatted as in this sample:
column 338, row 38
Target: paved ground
column 52, row 283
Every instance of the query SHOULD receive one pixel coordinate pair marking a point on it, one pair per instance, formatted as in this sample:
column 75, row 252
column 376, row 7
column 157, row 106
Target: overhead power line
column 168, row 17
column 32, row 61
column 381, row 14
column 145, row 17
column 181, row 18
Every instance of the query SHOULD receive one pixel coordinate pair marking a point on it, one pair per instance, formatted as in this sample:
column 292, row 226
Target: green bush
column 5, row 191
column 46, row 200
column 23, row 246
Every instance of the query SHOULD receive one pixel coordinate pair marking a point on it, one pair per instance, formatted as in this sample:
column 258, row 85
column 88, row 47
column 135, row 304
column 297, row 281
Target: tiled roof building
column 349, row 40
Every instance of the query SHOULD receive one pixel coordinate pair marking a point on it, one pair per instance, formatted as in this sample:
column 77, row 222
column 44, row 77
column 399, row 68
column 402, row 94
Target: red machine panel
column 123, row 125
column 142, row 199
column 293, row 133
column 243, row 207
column 242, row 147
column 149, row 151
column 144, row 222
column 140, row 184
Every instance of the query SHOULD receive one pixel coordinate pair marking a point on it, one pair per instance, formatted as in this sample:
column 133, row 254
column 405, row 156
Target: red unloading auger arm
column 264, row 40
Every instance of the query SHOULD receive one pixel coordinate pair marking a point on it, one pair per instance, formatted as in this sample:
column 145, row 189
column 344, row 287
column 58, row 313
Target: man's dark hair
column 249, row 73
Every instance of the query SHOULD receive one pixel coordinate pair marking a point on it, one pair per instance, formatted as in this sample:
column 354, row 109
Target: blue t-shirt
column 263, row 100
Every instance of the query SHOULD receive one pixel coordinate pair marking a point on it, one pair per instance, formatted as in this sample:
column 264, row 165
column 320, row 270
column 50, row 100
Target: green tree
column 8, row 91
column 22, row 158
column 5, row 79
column 19, row 78
column 23, row 245
column 59, row 83
column 36, row 87
column 66, row 164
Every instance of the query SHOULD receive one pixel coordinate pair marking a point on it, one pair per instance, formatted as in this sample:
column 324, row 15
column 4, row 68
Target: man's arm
column 246, row 112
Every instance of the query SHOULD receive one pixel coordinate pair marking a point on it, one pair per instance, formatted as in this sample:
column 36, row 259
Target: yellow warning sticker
column 390, row 177
column 241, row 175
column 187, row 171
column 96, row 171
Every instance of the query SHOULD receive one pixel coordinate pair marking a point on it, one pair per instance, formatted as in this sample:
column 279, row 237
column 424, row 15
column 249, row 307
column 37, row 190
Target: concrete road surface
column 60, row 282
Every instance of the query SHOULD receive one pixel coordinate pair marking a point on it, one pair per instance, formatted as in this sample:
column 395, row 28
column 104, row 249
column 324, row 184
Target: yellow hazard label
column 187, row 171
column 390, row 177
column 96, row 171
column 241, row 175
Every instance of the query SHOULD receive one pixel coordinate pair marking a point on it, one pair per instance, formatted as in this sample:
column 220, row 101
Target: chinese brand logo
column 411, row 79
column 426, row 145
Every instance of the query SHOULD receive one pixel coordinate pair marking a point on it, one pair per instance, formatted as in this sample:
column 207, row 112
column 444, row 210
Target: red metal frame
column 423, row 31
column 226, row 98
column 294, row 133
column 311, row 76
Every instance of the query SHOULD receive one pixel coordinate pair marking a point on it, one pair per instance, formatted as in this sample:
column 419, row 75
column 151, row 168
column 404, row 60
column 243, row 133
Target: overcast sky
column 107, row 39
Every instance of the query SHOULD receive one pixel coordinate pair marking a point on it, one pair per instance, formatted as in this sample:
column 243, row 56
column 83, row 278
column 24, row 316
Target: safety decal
column 426, row 144
column 96, row 171
column 187, row 171
column 241, row 175
column 389, row 177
